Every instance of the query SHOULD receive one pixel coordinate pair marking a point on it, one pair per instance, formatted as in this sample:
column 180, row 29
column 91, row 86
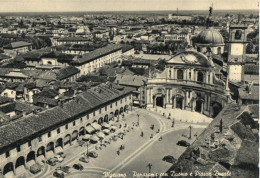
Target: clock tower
column 236, row 52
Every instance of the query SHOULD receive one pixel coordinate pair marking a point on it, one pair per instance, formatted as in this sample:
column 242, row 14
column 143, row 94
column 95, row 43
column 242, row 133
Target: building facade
column 188, row 82
column 51, row 131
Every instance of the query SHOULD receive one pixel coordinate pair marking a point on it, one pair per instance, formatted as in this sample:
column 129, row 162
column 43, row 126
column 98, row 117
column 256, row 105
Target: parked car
column 52, row 161
column 169, row 159
column 84, row 159
column 58, row 157
column 183, row 143
column 62, row 154
column 58, row 174
column 93, row 154
column 65, row 169
column 78, row 167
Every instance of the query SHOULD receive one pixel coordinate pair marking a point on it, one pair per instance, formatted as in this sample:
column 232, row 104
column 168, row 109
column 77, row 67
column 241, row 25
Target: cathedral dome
column 210, row 36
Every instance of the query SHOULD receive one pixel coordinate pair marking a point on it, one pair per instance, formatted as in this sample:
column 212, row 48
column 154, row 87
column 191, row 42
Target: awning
column 94, row 138
column 30, row 163
column 90, row 129
column 49, row 154
column 105, row 125
column 86, row 137
column 101, row 135
column 66, row 139
column 106, row 131
column 96, row 126
column 58, row 149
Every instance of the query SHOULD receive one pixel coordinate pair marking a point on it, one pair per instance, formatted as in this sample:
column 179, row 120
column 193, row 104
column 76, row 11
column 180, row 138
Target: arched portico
column 74, row 135
column 30, row 156
column 41, row 151
column 67, row 139
column 9, row 167
column 59, row 143
column 82, row 131
column 100, row 120
column 20, row 162
column 50, row 147
column 106, row 118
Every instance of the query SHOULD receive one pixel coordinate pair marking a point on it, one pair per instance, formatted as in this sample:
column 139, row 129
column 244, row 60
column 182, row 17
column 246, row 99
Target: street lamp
column 138, row 119
column 87, row 149
column 190, row 132
column 149, row 167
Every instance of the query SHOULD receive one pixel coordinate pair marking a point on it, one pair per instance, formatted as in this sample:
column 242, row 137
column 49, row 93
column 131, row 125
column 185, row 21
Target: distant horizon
column 128, row 11
column 30, row 6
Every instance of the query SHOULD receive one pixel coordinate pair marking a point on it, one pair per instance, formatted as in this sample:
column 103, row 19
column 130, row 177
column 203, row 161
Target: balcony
column 197, row 84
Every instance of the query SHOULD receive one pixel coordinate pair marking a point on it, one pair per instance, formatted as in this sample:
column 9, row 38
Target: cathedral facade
column 188, row 82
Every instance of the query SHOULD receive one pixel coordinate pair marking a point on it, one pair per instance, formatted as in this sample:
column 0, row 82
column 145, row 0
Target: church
column 189, row 80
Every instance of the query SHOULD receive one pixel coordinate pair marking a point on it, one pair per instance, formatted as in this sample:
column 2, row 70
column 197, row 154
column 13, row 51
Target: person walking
column 118, row 152
column 142, row 134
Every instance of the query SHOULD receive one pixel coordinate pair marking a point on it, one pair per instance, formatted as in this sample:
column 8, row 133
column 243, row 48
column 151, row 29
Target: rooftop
column 42, row 122
column 96, row 54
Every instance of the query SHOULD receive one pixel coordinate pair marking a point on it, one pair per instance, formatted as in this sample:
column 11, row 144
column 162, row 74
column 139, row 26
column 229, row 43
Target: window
column 29, row 143
column 100, row 111
column 125, row 99
column 81, row 120
column 58, row 130
column 170, row 73
column 18, row 149
column 74, row 123
column 190, row 75
column 105, row 108
column 49, row 134
column 7, row 154
column 87, row 116
column 180, row 74
column 40, row 138
column 238, row 34
column 121, row 101
column 94, row 114
column 116, row 103
column 130, row 97
column 111, row 105
column 66, row 126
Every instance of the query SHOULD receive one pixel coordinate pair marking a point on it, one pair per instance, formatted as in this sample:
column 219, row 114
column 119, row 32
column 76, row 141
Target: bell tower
column 236, row 52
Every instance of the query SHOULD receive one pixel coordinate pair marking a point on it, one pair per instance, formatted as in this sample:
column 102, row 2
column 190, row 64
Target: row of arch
column 60, row 142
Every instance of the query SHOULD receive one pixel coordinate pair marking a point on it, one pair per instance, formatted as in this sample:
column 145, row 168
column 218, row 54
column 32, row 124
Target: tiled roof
column 130, row 80
column 233, row 117
column 253, row 95
column 73, row 39
column 4, row 99
column 18, row 44
column 96, row 54
column 66, row 72
column 18, row 131
column 251, row 69
column 126, row 47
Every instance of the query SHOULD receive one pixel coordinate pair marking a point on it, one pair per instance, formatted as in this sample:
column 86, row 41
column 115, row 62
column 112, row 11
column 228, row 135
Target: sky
column 121, row 5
